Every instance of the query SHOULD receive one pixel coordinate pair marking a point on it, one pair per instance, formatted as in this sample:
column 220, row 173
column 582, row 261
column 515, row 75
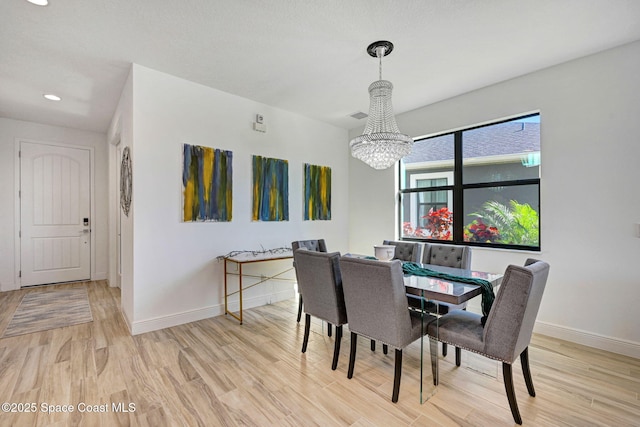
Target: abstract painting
column 270, row 189
column 317, row 192
column 207, row 184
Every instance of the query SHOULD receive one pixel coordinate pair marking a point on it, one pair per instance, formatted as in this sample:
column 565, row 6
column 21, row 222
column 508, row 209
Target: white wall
column 12, row 130
column 589, row 200
column 121, row 132
column 176, row 276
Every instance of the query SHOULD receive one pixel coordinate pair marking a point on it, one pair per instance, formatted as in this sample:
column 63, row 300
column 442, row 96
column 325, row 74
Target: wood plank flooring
column 216, row 372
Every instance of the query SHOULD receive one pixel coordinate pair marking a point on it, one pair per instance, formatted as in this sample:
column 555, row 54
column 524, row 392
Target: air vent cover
column 359, row 115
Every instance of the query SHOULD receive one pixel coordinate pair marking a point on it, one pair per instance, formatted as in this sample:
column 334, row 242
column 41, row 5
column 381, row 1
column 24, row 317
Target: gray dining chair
column 375, row 298
column 320, row 282
column 454, row 256
column 405, row 251
column 507, row 332
column 313, row 245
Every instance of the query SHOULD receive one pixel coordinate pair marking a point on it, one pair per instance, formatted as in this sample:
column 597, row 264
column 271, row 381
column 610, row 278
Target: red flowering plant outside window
column 438, row 226
column 409, row 231
column 439, row 223
column 478, row 231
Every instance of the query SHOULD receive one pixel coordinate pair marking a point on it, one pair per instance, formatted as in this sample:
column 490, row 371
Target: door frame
column 117, row 229
column 115, row 210
column 17, row 214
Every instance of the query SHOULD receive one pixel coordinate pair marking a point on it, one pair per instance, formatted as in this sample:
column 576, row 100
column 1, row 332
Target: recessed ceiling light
column 52, row 97
column 39, row 2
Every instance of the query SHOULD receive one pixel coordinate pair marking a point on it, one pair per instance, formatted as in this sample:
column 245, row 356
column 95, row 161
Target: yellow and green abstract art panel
column 317, row 192
column 207, row 184
column 270, row 189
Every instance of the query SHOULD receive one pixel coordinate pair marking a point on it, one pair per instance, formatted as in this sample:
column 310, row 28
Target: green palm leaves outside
column 517, row 223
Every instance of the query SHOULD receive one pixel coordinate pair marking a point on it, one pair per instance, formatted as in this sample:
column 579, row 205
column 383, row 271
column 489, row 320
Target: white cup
column 384, row 252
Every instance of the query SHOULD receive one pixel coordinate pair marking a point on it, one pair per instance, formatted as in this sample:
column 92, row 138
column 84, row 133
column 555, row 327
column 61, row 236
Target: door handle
column 86, row 230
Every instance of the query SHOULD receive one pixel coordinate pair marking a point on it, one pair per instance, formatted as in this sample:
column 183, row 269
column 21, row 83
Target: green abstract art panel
column 317, row 192
column 270, row 189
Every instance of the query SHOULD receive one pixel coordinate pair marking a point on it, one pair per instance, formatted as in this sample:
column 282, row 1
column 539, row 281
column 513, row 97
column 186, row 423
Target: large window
column 478, row 186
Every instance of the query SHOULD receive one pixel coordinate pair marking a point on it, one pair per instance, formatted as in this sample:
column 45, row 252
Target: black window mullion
column 458, row 199
column 530, row 181
column 428, row 189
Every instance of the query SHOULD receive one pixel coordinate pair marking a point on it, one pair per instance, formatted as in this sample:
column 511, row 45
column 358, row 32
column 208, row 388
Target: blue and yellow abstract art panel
column 270, row 189
column 207, row 184
column 317, row 192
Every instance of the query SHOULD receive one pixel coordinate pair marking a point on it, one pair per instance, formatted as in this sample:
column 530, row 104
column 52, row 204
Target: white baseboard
column 6, row 287
column 100, row 276
column 142, row 326
column 590, row 339
column 126, row 320
column 614, row 345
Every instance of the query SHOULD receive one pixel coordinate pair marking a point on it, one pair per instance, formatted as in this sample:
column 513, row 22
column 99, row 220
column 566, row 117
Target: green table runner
column 412, row 268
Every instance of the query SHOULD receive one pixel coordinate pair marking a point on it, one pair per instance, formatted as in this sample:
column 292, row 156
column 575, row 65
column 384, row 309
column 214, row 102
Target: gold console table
column 249, row 258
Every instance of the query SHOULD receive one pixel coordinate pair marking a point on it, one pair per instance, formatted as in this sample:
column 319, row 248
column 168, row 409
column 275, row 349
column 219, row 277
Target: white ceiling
column 306, row 56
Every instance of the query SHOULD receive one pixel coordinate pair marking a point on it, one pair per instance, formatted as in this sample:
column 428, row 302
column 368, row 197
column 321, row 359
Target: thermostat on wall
column 259, row 125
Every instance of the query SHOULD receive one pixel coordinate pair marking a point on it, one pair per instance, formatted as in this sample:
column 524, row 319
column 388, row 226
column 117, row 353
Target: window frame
column 458, row 188
column 430, row 175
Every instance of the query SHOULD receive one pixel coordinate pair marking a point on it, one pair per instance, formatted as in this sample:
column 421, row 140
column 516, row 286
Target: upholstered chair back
column 313, row 245
column 447, row 255
column 376, row 301
column 509, row 326
column 320, row 283
column 405, row 251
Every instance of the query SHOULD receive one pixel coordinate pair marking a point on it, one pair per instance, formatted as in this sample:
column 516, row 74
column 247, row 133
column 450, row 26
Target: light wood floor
column 216, row 373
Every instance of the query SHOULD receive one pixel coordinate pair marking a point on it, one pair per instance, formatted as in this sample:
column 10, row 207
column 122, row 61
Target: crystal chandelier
column 381, row 144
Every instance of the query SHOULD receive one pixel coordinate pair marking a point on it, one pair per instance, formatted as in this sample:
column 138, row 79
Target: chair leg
column 352, row 354
column 299, row 308
column 329, row 329
column 397, row 375
column 524, row 360
column 385, row 348
column 307, row 328
column 444, row 349
column 458, row 351
column 511, row 393
column 433, row 349
column 336, row 348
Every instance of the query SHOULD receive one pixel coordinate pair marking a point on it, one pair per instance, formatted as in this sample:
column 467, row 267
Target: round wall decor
column 125, row 181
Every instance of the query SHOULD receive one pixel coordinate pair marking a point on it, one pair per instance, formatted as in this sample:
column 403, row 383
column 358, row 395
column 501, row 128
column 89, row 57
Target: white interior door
column 55, row 206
